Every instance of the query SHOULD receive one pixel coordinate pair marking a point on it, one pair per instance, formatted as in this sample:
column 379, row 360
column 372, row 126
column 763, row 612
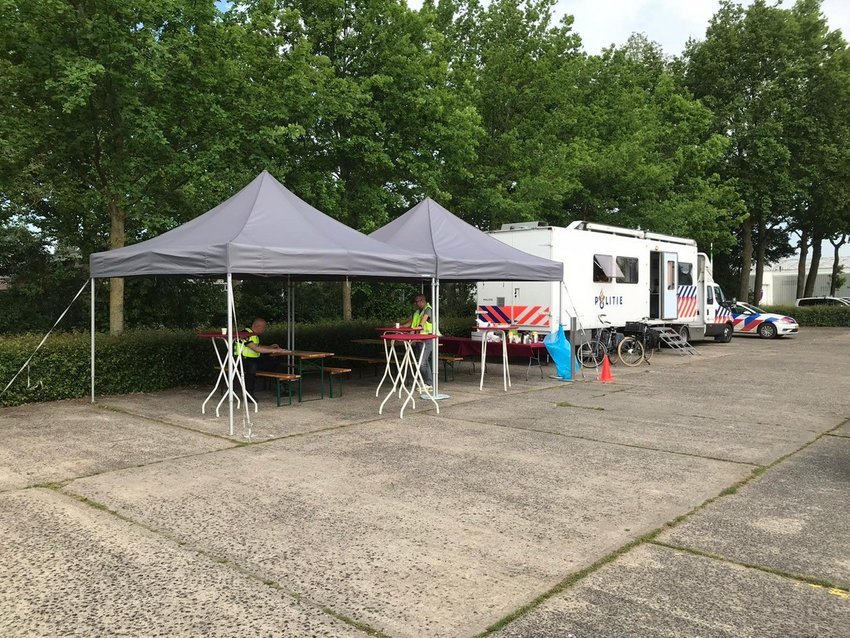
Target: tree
column 387, row 128
column 41, row 280
column 119, row 117
column 776, row 81
column 819, row 136
column 740, row 72
column 651, row 151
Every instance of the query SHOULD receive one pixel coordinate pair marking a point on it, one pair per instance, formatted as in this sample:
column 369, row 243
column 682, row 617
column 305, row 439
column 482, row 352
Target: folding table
column 506, row 371
column 238, row 370
column 409, row 364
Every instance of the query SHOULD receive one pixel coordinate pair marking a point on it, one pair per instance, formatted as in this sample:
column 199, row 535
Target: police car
column 749, row 319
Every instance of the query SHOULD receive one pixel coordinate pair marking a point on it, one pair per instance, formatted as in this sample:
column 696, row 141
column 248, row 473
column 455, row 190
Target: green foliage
column 815, row 316
column 41, row 284
column 150, row 360
column 138, row 361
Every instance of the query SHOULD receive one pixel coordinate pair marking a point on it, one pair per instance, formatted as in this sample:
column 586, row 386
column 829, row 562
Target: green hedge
column 815, row 316
column 148, row 360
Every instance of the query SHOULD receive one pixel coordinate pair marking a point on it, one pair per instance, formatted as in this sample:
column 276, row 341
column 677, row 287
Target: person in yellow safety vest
column 250, row 350
column 422, row 318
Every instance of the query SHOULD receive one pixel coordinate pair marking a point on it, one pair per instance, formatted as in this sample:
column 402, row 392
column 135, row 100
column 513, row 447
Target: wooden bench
column 339, row 374
column 373, row 361
column 449, row 361
column 279, row 377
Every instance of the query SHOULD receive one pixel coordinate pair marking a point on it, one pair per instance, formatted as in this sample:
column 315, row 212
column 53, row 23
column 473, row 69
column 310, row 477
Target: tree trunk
column 833, row 281
column 761, row 245
column 346, row 300
column 746, row 259
column 817, row 242
column 116, row 285
column 801, row 265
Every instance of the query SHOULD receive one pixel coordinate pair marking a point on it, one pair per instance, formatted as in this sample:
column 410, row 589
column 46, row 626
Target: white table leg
column 483, row 357
column 388, row 346
column 416, row 369
column 506, row 370
column 399, row 378
column 222, row 376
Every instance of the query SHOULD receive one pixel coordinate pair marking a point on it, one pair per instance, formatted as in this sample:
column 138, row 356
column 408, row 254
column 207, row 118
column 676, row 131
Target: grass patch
column 567, row 582
column 769, row 570
column 58, row 485
column 369, row 631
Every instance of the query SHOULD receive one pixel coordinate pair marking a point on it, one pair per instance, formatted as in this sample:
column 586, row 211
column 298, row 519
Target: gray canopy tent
column 462, row 252
column 263, row 230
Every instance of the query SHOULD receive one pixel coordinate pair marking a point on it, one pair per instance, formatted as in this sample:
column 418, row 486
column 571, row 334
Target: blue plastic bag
column 559, row 349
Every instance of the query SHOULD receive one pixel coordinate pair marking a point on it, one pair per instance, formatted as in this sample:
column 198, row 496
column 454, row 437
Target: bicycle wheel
column 630, row 351
column 590, row 353
column 648, row 351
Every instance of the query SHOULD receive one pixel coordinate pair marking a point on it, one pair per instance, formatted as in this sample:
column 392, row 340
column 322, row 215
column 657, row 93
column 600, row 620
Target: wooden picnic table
column 315, row 359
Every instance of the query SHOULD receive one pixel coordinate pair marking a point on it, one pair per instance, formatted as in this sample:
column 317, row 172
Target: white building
column 779, row 287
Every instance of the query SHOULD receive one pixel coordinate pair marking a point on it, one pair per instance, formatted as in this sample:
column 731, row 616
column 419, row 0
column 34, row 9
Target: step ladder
column 674, row 340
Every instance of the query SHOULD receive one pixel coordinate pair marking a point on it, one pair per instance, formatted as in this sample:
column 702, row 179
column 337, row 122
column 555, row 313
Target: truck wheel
column 767, row 330
column 726, row 335
column 684, row 333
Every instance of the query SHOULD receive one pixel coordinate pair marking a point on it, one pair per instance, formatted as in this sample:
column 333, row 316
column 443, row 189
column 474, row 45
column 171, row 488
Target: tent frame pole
column 92, row 339
column 230, row 370
column 435, row 356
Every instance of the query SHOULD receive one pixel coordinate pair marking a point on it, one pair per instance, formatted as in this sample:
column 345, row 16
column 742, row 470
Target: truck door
column 710, row 305
column 668, row 267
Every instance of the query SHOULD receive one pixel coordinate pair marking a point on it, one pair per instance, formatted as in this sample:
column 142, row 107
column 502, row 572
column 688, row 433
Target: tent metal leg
column 230, row 371
column 435, row 357
column 92, row 340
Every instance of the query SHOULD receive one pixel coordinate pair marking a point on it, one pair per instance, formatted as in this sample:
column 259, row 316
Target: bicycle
column 639, row 345
column 591, row 353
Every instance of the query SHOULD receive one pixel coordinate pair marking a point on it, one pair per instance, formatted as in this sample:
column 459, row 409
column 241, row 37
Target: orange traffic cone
column 605, row 375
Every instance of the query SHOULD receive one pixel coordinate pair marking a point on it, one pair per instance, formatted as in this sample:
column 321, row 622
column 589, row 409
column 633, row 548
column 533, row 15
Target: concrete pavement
column 698, row 496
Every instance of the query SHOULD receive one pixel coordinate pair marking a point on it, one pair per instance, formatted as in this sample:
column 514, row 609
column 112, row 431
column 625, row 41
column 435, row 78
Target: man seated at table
column 250, row 350
column 422, row 318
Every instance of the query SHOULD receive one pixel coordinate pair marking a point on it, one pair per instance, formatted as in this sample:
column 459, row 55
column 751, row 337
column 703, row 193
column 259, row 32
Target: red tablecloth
column 465, row 346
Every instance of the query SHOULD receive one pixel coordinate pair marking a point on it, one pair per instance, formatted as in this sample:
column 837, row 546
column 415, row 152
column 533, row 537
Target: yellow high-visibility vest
column 240, row 349
column 427, row 327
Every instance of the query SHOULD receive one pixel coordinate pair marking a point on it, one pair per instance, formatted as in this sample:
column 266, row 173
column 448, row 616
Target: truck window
column 685, row 274
column 628, row 267
column 605, row 269
column 671, row 275
column 709, row 295
column 719, row 294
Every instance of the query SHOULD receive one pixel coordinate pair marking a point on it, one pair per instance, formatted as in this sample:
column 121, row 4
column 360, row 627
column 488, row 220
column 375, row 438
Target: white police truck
column 611, row 276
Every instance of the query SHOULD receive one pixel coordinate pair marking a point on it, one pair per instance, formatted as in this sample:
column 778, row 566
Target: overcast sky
column 601, row 23
column 668, row 22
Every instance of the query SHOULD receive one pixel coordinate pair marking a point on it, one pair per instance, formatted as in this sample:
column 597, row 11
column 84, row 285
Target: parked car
column 749, row 319
column 822, row 301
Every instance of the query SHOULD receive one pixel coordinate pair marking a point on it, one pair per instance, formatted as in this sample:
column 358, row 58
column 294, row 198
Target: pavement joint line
column 650, row 537
column 367, row 629
column 567, row 582
column 363, row 627
column 236, row 445
column 330, row 428
column 844, row 592
column 587, row 438
column 236, row 442
column 65, row 482
column 112, row 408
